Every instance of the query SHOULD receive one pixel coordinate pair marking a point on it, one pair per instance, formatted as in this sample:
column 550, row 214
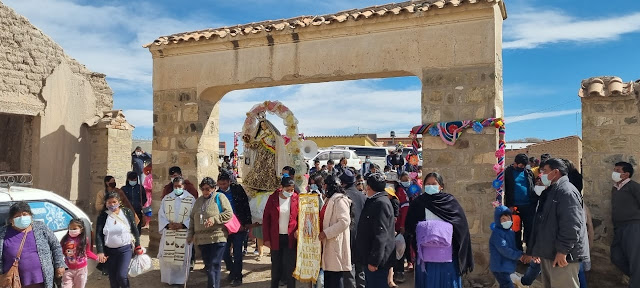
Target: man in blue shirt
column 519, row 195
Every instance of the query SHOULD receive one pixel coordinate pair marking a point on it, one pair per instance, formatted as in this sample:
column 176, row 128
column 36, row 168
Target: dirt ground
column 256, row 274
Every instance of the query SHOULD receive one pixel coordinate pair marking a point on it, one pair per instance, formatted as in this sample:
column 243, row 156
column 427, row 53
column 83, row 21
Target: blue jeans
column 532, row 273
column 234, row 264
column 118, row 265
column 504, row 279
column 582, row 276
column 377, row 279
column 212, row 257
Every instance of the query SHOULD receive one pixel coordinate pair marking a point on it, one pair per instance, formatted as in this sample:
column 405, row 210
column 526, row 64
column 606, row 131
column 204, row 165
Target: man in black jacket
column 240, row 205
column 559, row 236
column 519, row 194
column 375, row 236
column 355, row 277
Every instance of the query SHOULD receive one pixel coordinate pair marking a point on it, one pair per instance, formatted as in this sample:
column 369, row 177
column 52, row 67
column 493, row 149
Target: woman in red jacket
column 279, row 227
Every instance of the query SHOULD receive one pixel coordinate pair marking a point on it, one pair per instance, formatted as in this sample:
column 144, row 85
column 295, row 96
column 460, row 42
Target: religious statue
column 262, row 152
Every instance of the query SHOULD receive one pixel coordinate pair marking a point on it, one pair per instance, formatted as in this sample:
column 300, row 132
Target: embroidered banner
column 309, row 247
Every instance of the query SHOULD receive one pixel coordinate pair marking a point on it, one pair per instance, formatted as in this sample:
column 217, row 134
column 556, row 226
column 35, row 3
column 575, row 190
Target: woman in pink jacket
column 335, row 219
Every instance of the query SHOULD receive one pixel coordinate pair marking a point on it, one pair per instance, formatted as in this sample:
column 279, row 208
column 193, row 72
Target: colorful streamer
column 449, row 132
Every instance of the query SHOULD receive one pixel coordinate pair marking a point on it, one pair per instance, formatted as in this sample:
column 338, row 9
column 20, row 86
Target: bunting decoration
column 449, row 132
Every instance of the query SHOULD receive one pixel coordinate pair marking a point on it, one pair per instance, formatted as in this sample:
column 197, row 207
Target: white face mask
column 287, row 194
column 538, row 189
column 616, row 177
column 545, row 180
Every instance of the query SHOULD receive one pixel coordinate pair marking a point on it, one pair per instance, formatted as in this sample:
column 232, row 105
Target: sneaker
column 236, row 283
column 515, row 278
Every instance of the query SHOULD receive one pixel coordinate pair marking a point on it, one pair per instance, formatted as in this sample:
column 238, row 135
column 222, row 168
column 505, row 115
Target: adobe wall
column 60, row 95
column 611, row 133
column 461, row 81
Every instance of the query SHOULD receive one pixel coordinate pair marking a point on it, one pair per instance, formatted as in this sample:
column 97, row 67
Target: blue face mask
column 432, row 189
column 133, row 183
column 22, row 222
column 314, row 187
column 178, row 191
column 507, row 224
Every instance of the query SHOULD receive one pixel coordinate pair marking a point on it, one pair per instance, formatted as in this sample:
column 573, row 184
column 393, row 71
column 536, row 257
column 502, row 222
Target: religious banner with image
column 309, row 247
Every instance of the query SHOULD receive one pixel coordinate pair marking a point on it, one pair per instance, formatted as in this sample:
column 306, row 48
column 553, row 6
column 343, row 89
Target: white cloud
column 139, row 118
column 333, row 108
column 531, row 28
column 107, row 38
column 540, row 115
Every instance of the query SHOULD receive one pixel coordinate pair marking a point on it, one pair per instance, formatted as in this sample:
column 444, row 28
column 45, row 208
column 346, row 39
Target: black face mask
column 519, row 169
column 112, row 184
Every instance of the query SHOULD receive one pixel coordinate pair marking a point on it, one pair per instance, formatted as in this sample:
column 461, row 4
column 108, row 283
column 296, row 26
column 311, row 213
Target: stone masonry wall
column 611, row 133
column 186, row 135
column 465, row 94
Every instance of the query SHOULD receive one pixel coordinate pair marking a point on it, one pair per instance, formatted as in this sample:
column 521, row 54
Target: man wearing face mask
column 173, row 222
column 138, row 158
column 355, row 277
column 366, row 166
column 240, row 206
column 625, row 212
column 375, row 236
column 559, row 236
column 519, row 192
column 136, row 195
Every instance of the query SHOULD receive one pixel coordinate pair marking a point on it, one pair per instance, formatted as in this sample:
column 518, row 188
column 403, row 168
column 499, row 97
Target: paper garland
column 449, row 132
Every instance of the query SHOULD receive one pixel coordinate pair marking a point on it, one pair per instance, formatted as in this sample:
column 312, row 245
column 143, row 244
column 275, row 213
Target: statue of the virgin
column 263, row 151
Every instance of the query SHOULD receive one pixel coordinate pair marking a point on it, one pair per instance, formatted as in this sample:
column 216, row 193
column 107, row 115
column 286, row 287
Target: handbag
column 11, row 279
column 233, row 226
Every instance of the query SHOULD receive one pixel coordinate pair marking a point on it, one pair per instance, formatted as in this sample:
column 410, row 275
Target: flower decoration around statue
column 292, row 138
column 449, row 132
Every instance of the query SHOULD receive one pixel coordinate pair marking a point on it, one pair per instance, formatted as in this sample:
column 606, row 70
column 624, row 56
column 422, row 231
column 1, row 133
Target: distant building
column 223, row 149
column 386, row 140
column 567, row 148
column 144, row 144
column 328, row 141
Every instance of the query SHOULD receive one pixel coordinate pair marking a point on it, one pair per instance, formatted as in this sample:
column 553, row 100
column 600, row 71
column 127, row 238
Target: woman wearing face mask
column 173, row 222
column 40, row 258
column 115, row 232
column 335, row 236
column 109, row 187
column 435, row 204
column 315, row 187
column 279, row 229
column 136, row 195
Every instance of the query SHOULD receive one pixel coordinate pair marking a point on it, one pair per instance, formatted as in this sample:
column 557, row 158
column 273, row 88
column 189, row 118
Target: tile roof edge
column 317, row 20
column 607, row 86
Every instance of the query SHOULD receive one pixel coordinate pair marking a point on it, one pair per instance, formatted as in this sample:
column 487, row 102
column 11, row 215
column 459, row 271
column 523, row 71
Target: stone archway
column 453, row 46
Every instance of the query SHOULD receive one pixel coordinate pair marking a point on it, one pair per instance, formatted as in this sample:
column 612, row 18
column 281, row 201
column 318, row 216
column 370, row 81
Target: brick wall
column 566, row 148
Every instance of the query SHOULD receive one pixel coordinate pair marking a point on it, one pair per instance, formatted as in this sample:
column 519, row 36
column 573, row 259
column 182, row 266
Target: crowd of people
column 374, row 229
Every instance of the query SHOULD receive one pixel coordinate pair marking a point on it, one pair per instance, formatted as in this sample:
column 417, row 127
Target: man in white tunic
column 173, row 220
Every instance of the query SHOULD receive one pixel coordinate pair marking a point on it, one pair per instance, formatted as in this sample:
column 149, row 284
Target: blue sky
column 549, row 47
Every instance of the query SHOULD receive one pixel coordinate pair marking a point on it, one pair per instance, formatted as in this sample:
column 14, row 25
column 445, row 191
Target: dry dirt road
column 256, row 275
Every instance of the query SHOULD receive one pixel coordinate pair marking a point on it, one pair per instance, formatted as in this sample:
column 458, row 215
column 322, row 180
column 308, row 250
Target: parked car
column 336, row 154
column 46, row 206
column 378, row 155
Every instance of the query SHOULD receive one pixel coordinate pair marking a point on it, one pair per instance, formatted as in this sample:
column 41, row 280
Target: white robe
column 175, row 209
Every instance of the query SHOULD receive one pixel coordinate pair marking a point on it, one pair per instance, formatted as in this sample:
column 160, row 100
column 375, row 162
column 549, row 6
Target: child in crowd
column 502, row 248
column 76, row 250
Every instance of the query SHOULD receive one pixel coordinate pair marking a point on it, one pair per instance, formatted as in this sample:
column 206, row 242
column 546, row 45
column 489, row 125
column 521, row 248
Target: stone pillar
column 111, row 138
column 185, row 134
column 611, row 133
column 467, row 167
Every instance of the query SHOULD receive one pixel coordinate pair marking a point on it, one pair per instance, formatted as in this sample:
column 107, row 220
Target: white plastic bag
column 140, row 264
column 400, row 246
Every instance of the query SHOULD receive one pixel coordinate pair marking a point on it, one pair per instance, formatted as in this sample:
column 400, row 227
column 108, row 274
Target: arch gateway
column 453, row 46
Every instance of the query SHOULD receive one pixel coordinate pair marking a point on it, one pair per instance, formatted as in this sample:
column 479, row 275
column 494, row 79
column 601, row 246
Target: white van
column 48, row 207
column 378, row 155
column 336, row 154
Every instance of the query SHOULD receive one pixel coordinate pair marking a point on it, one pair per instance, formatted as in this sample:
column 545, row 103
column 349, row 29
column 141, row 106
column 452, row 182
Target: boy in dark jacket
column 504, row 254
column 136, row 195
